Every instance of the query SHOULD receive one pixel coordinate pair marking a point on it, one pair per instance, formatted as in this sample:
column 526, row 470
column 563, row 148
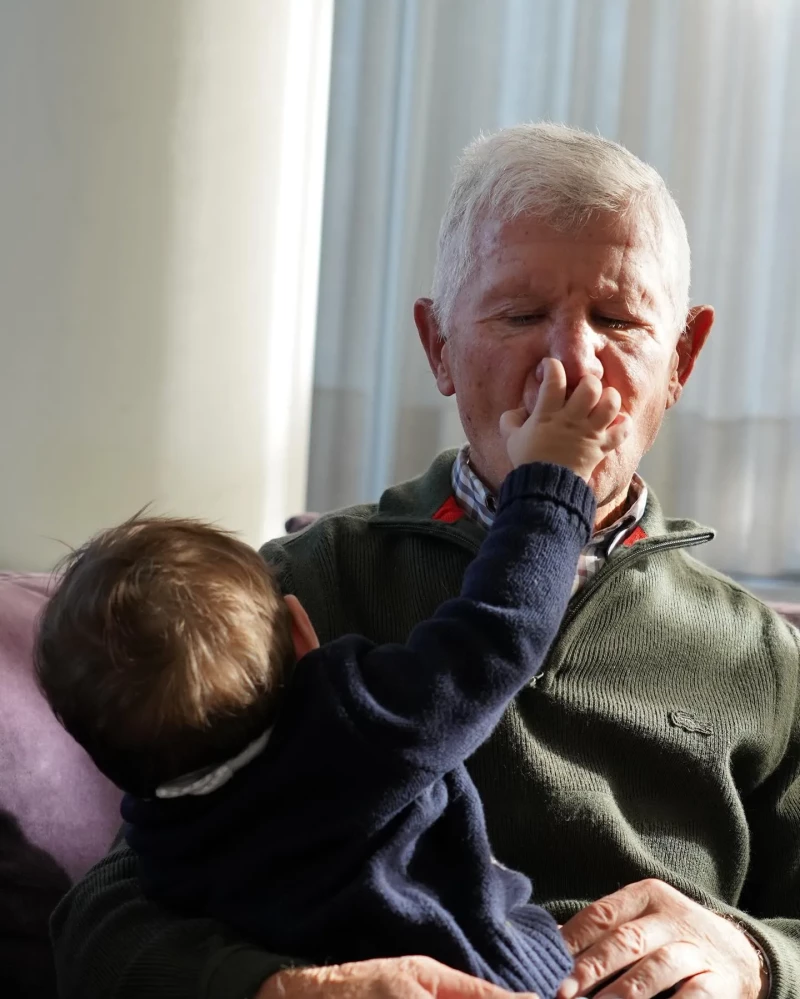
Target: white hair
column 563, row 176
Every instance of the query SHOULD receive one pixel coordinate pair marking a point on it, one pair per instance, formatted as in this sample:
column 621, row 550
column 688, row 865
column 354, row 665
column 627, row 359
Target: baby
column 316, row 798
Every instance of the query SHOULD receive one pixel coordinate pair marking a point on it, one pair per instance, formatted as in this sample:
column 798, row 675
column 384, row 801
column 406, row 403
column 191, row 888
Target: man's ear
column 691, row 341
column 436, row 348
column 303, row 634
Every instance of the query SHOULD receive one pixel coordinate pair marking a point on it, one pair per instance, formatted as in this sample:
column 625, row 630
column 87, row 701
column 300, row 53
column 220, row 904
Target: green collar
column 416, row 504
column 420, row 498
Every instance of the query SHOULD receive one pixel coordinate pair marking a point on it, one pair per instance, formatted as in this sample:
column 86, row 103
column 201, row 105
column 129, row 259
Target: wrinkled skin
column 595, row 301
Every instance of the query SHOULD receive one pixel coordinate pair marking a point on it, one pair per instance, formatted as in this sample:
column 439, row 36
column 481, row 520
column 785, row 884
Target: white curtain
column 161, row 183
column 706, row 90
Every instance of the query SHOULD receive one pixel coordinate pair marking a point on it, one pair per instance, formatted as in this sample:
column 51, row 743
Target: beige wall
column 160, row 201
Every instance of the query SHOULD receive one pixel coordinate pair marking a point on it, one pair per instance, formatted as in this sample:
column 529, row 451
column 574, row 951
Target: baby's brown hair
column 164, row 649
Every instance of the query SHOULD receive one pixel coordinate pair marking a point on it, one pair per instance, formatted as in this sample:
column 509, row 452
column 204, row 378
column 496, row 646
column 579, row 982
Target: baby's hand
column 577, row 432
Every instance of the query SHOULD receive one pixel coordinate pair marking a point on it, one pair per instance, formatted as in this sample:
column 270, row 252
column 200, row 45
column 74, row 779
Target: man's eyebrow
column 635, row 297
column 515, row 289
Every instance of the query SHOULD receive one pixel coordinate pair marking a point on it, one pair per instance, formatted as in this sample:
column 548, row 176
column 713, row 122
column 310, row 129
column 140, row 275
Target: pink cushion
column 790, row 611
column 62, row 803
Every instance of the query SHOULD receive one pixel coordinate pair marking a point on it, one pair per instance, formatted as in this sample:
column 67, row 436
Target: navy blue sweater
column 358, row 832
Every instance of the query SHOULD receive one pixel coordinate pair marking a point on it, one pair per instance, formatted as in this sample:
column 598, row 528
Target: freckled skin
column 595, row 299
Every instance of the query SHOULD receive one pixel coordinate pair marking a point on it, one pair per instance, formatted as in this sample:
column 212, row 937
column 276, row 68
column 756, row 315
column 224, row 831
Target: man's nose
column 577, row 346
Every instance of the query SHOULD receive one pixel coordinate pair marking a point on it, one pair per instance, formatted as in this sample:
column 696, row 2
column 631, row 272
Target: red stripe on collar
column 634, row 536
column 449, row 512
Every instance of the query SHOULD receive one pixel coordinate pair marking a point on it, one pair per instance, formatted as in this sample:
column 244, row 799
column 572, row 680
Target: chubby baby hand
column 577, row 432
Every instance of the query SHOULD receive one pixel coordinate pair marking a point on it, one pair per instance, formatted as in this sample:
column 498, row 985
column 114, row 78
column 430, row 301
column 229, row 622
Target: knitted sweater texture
column 661, row 739
column 357, row 832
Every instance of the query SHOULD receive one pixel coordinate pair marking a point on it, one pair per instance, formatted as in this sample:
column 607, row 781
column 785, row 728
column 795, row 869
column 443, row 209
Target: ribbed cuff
column 543, row 481
column 239, row 971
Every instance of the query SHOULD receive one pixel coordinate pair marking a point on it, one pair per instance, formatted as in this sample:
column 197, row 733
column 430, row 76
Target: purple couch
column 62, row 803
column 47, row 782
column 790, row 611
column 58, row 814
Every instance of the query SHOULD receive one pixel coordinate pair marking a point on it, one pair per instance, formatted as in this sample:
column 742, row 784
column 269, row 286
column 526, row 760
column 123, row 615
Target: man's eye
column 615, row 324
column 527, row 319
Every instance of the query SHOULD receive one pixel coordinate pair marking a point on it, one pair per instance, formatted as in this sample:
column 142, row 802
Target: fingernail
column 569, row 989
column 539, row 371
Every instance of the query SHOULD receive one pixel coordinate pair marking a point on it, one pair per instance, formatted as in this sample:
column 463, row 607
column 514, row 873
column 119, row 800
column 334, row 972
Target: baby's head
column 165, row 649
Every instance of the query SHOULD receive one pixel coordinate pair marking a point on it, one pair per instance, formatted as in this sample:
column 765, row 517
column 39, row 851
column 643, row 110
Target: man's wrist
column 275, row 987
column 765, row 970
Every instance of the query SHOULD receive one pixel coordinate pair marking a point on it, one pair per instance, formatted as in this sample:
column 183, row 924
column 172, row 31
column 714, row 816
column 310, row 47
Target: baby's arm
column 435, row 699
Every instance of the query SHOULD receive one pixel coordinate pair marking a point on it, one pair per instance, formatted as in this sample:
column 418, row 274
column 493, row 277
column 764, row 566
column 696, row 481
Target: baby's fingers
column 585, row 398
column 606, row 410
column 553, row 390
column 512, row 420
column 615, row 436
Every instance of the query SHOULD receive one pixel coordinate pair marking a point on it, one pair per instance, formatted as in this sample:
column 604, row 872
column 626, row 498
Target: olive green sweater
column 662, row 739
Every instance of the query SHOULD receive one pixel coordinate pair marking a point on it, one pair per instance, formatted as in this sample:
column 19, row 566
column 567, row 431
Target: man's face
column 595, row 299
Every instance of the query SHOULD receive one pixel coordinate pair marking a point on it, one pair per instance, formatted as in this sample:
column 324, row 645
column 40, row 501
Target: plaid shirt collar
column 479, row 504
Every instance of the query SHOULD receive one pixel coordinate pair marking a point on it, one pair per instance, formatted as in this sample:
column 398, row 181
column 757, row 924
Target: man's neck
column 607, row 513
column 612, row 510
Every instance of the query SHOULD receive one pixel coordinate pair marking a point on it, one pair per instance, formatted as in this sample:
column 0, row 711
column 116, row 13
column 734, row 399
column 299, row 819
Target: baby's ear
column 303, row 634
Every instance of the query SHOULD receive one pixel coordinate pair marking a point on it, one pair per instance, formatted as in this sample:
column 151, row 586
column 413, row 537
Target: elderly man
column 648, row 780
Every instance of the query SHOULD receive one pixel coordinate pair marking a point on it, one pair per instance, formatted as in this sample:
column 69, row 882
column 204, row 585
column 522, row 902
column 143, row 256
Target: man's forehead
column 632, row 238
column 621, row 256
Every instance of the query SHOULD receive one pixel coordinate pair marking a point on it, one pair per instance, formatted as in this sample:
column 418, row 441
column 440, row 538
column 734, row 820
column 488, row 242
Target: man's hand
column 654, row 938
column 382, row 978
column 577, row 432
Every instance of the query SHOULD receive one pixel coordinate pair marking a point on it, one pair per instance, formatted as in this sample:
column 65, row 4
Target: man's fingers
column 657, row 972
column 615, row 952
column 704, row 986
column 703, row 956
column 394, row 990
column 413, row 977
column 474, row 988
column 444, row 982
column 512, row 420
column 553, row 390
column 606, row 914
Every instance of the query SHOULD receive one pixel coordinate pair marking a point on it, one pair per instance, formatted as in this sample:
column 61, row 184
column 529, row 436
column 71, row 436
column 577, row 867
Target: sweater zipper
column 628, row 559
column 620, row 563
column 642, row 549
